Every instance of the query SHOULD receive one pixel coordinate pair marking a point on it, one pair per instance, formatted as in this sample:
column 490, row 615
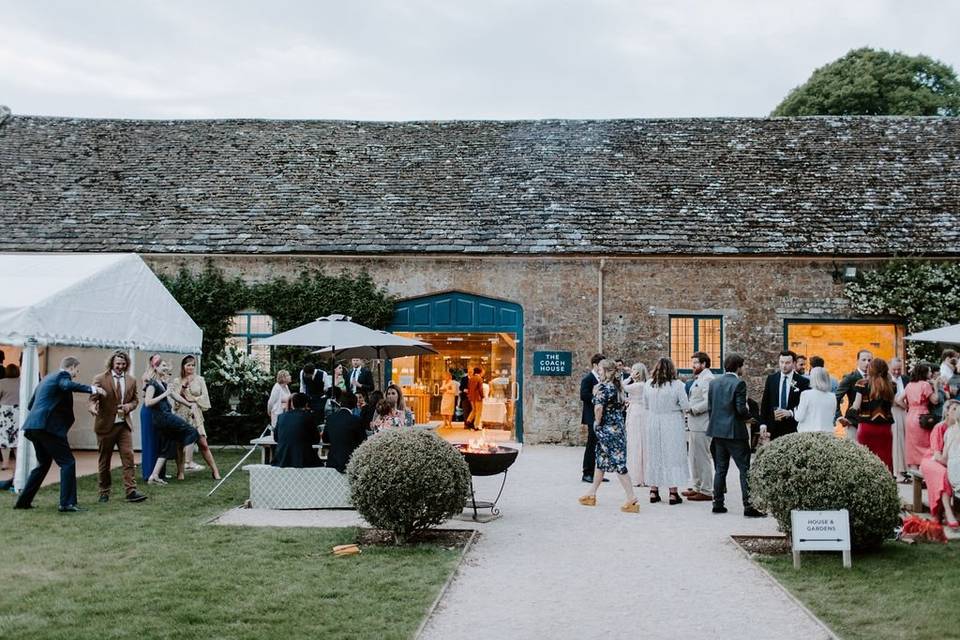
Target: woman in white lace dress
column 665, row 443
column 636, row 418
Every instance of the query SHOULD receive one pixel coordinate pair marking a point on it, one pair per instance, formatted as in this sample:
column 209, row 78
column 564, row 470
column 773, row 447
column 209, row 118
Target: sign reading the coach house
column 552, row 363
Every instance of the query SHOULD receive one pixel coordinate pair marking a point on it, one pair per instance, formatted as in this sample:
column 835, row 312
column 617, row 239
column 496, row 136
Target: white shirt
column 816, row 411
column 354, row 376
column 789, row 378
column 122, row 383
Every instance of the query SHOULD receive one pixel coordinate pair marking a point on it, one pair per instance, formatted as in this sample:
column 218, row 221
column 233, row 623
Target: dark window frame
column 716, row 360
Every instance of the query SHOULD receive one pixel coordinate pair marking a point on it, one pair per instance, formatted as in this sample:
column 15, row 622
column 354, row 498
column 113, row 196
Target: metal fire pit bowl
column 488, row 464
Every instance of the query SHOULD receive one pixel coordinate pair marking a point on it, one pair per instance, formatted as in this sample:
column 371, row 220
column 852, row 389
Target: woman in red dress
column 874, row 406
column 934, row 469
column 918, row 394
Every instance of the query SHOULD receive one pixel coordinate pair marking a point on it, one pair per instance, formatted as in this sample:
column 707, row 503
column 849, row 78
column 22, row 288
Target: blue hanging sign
column 552, row 363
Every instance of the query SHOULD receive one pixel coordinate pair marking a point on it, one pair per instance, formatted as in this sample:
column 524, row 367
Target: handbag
column 927, row 421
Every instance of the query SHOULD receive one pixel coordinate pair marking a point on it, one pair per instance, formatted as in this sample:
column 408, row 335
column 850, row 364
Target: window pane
column 261, row 325
column 709, row 339
column 681, row 341
column 238, row 325
column 262, row 353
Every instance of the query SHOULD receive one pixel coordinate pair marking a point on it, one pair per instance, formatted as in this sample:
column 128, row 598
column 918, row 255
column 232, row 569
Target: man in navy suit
column 781, row 396
column 46, row 426
column 587, row 383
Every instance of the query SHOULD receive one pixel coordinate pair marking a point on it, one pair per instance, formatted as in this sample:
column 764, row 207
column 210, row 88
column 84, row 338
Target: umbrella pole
column 229, row 473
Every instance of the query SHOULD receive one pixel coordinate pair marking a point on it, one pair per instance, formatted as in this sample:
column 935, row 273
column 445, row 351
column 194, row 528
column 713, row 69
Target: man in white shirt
column 360, row 378
column 698, row 442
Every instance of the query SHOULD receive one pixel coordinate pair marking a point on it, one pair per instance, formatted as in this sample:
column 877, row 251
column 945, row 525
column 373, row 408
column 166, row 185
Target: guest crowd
column 339, row 410
column 651, row 429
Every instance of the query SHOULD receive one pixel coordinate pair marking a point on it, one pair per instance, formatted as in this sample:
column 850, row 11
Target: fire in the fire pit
column 480, row 445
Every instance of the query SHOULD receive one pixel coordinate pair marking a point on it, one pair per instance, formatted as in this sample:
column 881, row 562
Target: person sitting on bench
column 296, row 433
column 344, row 432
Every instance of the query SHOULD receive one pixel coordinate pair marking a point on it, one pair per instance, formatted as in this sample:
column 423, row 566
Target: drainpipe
column 600, row 306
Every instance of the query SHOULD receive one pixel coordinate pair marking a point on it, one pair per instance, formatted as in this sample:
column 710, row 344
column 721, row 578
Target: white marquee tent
column 84, row 300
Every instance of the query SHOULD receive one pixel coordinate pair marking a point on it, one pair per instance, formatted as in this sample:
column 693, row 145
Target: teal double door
column 469, row 332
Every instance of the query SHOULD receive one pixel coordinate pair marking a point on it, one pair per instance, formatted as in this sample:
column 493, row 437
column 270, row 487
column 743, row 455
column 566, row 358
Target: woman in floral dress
column 608, row 402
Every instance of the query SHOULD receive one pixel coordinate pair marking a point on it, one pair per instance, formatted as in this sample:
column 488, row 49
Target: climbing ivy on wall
column 212, row 299
column 925, row 294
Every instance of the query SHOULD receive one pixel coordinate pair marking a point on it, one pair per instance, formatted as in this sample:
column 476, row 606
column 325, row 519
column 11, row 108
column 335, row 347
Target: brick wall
column 560, row 297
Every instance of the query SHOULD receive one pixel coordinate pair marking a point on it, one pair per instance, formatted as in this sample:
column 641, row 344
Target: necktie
column 117, row 387
column 353, row 379
column 783, row 392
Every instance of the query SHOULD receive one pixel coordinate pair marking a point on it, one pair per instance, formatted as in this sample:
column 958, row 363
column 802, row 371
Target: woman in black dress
column 172, row 430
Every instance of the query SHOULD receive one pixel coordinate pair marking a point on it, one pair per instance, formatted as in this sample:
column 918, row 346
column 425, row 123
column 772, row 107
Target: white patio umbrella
column 949, row 334
column 335, row 331
column 384, row 346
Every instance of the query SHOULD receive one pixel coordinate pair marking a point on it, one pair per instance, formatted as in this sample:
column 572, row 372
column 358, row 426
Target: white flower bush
column 238, row 374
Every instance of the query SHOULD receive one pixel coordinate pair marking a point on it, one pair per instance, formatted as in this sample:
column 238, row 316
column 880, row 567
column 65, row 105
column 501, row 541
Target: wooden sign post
column 821, row 531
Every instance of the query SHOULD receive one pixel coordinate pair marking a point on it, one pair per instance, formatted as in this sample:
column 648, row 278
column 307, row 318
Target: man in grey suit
column 730, row 438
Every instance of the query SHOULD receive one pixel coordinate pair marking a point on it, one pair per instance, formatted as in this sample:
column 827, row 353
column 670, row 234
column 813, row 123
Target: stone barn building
column 522, row 247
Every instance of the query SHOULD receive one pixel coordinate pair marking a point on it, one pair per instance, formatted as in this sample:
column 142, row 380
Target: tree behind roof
column 872, row 82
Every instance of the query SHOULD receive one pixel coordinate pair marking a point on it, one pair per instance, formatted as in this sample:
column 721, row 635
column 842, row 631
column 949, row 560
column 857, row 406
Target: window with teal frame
column 247, row 326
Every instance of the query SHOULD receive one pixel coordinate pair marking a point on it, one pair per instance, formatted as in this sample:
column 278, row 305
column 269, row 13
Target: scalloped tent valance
column 91, row 300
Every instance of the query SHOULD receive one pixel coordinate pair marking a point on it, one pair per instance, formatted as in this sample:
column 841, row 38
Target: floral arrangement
column 238, row 374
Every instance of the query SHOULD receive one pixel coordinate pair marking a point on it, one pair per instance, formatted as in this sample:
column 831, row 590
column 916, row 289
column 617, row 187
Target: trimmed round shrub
column 405, row 481
column 818, row 472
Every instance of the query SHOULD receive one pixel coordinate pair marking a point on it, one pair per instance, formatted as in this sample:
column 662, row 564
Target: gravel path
column 550, row 568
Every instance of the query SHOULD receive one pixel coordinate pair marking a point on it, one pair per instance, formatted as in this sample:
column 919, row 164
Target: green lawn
column 156, row 570
column 902, row 591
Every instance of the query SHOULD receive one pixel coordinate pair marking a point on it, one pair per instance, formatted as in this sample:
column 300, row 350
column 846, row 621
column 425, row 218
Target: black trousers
column 50, row 448
column 590, row 453
column 723, row 449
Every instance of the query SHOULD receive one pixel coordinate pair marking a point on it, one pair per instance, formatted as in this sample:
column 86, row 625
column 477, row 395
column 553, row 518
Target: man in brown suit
column 475, row 394
column 112, row 425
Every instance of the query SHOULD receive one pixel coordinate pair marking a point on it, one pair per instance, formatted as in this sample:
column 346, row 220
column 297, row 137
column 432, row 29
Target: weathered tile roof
column 807, row 186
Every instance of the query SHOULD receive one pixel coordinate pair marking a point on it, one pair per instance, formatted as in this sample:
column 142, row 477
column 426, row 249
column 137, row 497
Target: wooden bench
column 917, row 479
column 289, row 488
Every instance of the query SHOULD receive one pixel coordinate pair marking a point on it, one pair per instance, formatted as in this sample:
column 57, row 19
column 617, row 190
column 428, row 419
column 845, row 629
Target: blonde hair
column 281, row 373
column 610, row 373
column 820, row 379
column 639, row 370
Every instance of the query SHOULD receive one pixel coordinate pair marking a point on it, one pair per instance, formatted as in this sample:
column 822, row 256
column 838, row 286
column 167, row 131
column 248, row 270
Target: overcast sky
column 443, row 59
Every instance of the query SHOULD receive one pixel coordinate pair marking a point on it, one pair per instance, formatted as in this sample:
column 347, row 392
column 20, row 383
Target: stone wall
column 560, row 298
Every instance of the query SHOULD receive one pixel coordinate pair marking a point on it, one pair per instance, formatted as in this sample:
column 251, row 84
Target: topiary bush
column 818, row 472
column 405, row 481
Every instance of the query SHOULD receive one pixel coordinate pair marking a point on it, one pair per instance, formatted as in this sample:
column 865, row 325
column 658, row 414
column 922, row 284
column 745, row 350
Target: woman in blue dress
column 609, row 406
column 172, row 430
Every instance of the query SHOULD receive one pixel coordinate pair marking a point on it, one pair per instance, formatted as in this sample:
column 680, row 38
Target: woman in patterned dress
column 608, row 403
column 193, row 389
column 9, row 412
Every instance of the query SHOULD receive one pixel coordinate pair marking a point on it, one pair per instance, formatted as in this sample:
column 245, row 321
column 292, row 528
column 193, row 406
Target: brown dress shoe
column 699, row 497
column 688, row 493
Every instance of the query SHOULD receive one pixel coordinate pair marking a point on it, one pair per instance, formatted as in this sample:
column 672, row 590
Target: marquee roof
column 105, row 300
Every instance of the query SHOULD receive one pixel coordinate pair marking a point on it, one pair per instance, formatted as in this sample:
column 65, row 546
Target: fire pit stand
column 491, row 463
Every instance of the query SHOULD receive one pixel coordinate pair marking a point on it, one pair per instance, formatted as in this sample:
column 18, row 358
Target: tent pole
column 26, row 455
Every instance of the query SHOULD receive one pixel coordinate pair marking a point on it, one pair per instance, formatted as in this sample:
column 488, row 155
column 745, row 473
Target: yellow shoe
column 631, row 507
column 588, row 501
